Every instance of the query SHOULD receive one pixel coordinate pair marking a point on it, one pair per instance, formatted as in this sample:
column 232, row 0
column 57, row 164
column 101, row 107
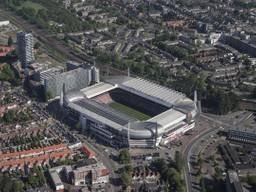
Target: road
column 218, row 123
column 186, row 153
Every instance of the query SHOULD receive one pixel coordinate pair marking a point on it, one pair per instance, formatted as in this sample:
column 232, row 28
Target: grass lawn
column 129, row 111
column 30, row 4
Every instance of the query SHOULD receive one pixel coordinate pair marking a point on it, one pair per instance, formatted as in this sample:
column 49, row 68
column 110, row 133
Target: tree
column 126, row 179
column 173, row 177
column 178, row 161
column 18, row 186
column 9, row 185
column 125, row 157
column 160, row 166
column 9, row 116
column 78, row 125
column 47, row 96
column 32, row 180
column 7, row 74
column 22, row 116
column 10, row 41
column 37, row 45
column 251, row 180
column 127, row 168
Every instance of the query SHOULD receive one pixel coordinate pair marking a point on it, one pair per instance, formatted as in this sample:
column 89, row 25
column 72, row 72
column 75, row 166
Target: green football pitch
column 129, row 111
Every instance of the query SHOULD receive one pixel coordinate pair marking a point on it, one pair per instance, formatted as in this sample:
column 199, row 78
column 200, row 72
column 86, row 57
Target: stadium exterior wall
column 160, row 129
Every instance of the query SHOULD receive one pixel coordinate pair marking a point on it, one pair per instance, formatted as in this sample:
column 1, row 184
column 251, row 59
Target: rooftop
column 138, row 85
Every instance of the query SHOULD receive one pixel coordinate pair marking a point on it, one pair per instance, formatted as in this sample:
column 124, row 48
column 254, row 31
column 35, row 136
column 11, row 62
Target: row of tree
column 7, row 74
column 50, row 11
column 125, row 159
column 8, row 184
column 171, row 175
column 12, row 116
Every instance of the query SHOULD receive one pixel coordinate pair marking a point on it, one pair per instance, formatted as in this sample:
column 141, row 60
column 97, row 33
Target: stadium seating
column 134, row 101
column 104, row 98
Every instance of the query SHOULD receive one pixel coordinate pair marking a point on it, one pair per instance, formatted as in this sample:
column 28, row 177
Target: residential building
column 232, row 182
column 90, row 175
column 25, row 45
column 4, row 23
column 4, row 50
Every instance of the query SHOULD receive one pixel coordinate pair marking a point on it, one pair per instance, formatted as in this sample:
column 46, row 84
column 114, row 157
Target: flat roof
column 56, row 178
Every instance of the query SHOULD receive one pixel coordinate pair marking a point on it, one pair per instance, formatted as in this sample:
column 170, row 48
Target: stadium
column 125, row 111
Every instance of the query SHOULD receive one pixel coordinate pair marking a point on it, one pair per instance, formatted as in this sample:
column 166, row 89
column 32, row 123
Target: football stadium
column 131, row 112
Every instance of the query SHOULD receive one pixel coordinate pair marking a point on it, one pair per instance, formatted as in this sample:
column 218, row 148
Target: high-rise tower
column 25, row 44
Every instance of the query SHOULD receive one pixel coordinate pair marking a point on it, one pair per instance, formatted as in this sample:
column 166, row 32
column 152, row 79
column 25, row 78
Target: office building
column 48, row 73
column 75, row 79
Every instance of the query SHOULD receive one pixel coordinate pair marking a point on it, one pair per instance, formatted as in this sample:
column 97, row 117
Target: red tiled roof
column 4, row 50
column 88, row 152
column 32, row 151
column 31, row 160
column 104, row 172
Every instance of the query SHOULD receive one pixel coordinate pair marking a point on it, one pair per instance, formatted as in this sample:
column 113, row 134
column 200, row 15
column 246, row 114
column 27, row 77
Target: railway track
column 43, row 36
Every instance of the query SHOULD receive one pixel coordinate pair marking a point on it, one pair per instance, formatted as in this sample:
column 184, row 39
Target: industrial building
column 165, row 114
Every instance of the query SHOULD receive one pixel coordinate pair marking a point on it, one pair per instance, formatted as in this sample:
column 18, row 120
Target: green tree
column 10, row 41
column 126, row 179
column 124, row 156
column 18, row 186
column 178, row 161
column 251, row 180
column 127, row 168
column 9, row 116
column 37, row 45
column 32, row 180
column 161, row 166
column 47, row 96
column 7, row 74
column 78, row 125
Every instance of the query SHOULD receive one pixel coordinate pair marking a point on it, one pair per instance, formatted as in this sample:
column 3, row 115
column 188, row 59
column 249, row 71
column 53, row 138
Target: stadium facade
column 73, row 79
column 167, row 114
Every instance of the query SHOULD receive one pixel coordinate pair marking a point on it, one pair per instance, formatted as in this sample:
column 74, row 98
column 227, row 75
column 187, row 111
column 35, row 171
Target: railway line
column 43, row 36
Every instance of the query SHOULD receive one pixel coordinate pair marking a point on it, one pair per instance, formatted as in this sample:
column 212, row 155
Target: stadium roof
column 179, row 105
column 137, row 85
column 101, row 112
column 97, row 89
column 168, row 118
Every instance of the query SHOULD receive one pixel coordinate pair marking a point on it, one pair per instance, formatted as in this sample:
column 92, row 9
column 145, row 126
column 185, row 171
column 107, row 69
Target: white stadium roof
column 146, row 88
column 97, row 89
column 179, row 105
column 168, row 118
